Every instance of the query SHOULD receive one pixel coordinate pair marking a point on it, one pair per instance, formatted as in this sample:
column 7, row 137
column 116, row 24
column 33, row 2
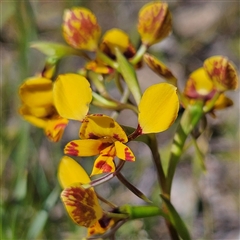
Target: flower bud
column 222, row 72
column 154, row 22
column 81, row 29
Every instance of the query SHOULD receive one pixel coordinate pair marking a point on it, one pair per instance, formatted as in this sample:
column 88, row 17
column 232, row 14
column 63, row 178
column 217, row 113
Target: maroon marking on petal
column 71, row 149
column 103, row 146
column 128, row 155
column 92, row 136
column 103, row 166
column 116, row 136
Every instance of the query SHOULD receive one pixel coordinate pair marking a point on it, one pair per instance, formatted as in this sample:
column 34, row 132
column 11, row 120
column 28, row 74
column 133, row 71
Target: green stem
column 139, row 54
column 162, row 182
column 95, row 78
column 107, row 60
column 135, row 212
column 153, row 145
column 189, row 120
column 132, row 188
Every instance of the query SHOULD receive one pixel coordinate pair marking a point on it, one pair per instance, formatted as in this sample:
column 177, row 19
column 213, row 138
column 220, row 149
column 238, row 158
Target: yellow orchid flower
column 200, row 86
column 81, row 29
column 154, row 22
column 114, row 38
column 101, row 135
column 81, row 204
column 37, row 107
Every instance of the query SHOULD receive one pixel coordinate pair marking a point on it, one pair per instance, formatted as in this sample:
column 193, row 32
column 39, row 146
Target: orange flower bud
column 81, row 29
column 222, row 72
column 154, row 22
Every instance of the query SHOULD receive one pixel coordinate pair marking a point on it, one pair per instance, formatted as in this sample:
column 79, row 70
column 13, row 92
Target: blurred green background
column 30, row 204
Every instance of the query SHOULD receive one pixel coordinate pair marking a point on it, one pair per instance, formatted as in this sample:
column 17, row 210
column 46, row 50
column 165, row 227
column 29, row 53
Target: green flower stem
column 212, row 102
column 189, row 120
column 139, row 54
column 153, row 145
column 100, row 101
column 132, row 188
column 95, row 78
column 162, row 182
column 107, row 60
column 135, row 212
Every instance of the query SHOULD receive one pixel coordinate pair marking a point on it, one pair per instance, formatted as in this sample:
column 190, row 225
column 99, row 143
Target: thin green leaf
column 57, row 50
column 37, row 225
column 176, row 220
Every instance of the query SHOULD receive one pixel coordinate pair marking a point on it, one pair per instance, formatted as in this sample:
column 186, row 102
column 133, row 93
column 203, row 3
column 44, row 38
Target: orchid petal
column 82, row 205
column 124, row 152
column 55, row 128
column 103, row 164
column 158, row 108
column 36, row 92
column 69, row 172
column 97, row 126
column 84, row 148
column 72, row 96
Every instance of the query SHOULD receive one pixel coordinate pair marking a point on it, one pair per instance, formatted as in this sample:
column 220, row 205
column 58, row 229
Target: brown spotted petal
column 160, row 68
column 82, row 205
column 222, row 72
column 81, row 29
column 154, row 22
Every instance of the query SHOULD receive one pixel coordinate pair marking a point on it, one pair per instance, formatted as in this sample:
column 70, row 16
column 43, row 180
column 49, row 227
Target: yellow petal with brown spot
column 82, row 205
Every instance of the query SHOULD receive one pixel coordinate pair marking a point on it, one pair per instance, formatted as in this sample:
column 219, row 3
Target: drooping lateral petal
column 101, row 126
column 222, row 72
column 72, row 95
column 154, row 22
column 158, row 108
column 55, row 128
column 103, row 164
column 37, row 92
column 82, row 205
column 124, row 152
column 81, row 29
column 84, row 147
column 69, row 172
column 159, row 68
